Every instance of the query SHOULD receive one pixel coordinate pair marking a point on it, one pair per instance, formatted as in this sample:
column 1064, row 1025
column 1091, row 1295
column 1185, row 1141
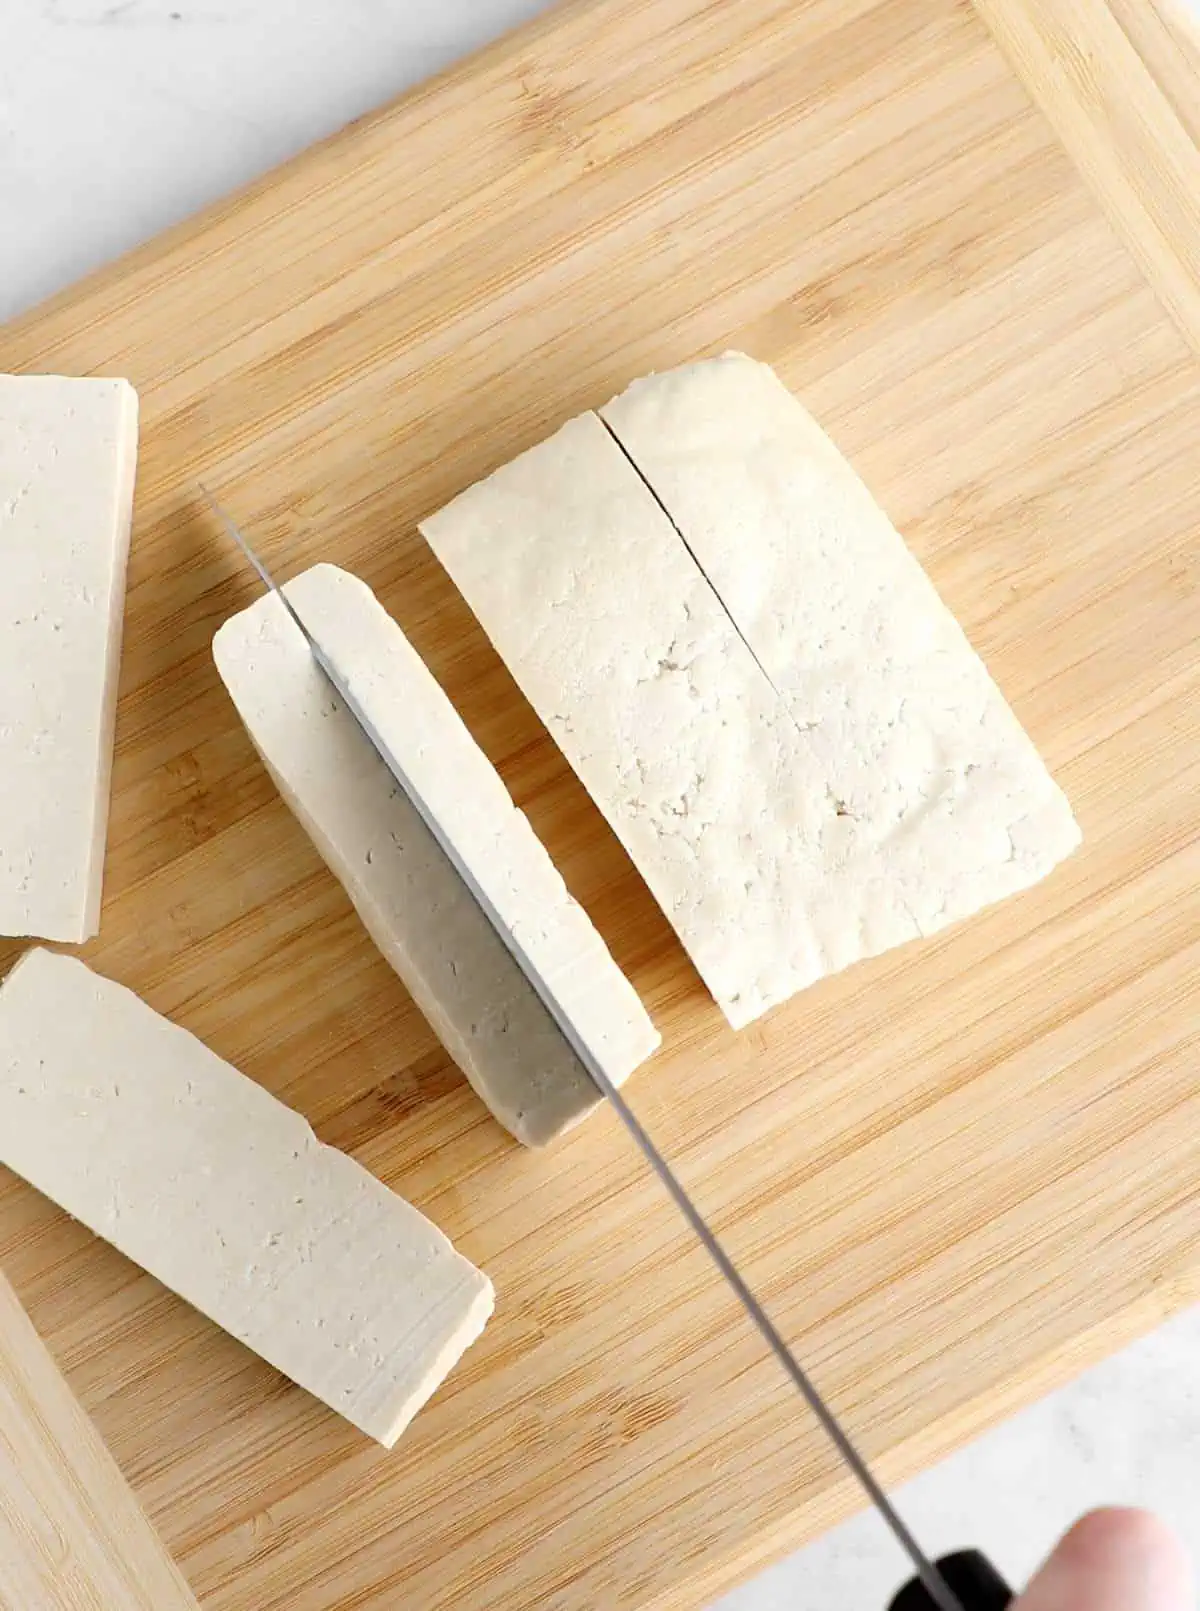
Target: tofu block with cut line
column 68, row 454
column 626, row 654
column 202, row 1178
column 789, row 818
column 941, row 794
column 408, row 894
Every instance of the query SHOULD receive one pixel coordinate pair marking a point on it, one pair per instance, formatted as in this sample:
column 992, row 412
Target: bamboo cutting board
column 956, row 1174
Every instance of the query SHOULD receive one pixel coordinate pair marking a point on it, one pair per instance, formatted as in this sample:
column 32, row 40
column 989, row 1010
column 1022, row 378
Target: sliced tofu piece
column 627, row 655
column 409, row 896
column 201, row 1177
column 72, row 1534
column 68, row 453
column 941, row 795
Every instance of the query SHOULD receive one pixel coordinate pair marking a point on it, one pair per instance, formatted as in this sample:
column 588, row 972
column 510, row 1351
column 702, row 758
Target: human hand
column 1114, row 1560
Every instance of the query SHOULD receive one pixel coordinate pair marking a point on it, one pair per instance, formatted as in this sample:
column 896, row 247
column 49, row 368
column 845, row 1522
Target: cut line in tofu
column 784, row 839
column 204, row 1179
column 72, row 1534
column 68, row 455
column 408, row 894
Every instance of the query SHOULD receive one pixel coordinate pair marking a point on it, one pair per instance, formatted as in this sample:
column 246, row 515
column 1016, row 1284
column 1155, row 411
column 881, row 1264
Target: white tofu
column 202, row 1178
column 408, row 894
column 943, row 802
column 808, row 764
column 68, row 453
column 626, row 654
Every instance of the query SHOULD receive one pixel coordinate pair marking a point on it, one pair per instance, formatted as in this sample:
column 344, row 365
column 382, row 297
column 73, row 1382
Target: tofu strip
column 202, row 1178
column 940, row 794
column 408, row 894
column 68, row 454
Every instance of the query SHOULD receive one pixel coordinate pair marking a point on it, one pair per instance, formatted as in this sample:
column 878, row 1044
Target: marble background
column 119, row 117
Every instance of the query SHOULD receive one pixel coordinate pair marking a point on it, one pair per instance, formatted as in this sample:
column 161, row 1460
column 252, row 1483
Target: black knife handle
column 970, row 1577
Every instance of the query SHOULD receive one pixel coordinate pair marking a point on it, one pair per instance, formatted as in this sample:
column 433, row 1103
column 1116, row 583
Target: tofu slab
column 68, row 454
column 626, row 654
column 941, row 794
column 790, row 735
column 202, row 1178
column 409, row 896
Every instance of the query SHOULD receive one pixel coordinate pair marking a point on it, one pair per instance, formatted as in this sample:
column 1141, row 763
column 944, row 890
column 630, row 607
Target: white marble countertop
column 118, row 117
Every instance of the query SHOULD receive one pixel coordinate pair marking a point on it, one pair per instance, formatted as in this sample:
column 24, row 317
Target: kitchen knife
column 963, row 1582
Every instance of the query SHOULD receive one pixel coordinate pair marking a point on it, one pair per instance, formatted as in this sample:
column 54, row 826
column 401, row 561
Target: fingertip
column 1123, row 1533
column 1115, row 1560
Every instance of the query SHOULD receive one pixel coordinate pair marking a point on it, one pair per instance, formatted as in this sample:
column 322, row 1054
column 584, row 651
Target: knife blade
column 930, row 1585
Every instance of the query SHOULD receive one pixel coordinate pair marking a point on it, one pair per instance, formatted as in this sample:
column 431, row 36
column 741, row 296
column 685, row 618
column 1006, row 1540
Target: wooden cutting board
column 956, row 1174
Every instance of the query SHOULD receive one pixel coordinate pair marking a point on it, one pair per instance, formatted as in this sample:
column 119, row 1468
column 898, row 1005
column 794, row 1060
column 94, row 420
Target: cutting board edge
column 1087, row 78
column 176, row 236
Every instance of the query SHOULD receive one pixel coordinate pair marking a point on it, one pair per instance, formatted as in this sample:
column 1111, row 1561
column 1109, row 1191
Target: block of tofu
column 68, row 454
column 409, row 896
column 200, row 1176
column 941, row 795
column 790, row 816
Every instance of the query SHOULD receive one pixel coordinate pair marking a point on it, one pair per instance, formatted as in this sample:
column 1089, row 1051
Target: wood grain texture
column 1166, row 35
column 954, row 1173
column 1112, row 77
column 72, row 1536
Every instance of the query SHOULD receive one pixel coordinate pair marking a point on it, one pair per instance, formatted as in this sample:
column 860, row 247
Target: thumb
column 1114, row 1560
